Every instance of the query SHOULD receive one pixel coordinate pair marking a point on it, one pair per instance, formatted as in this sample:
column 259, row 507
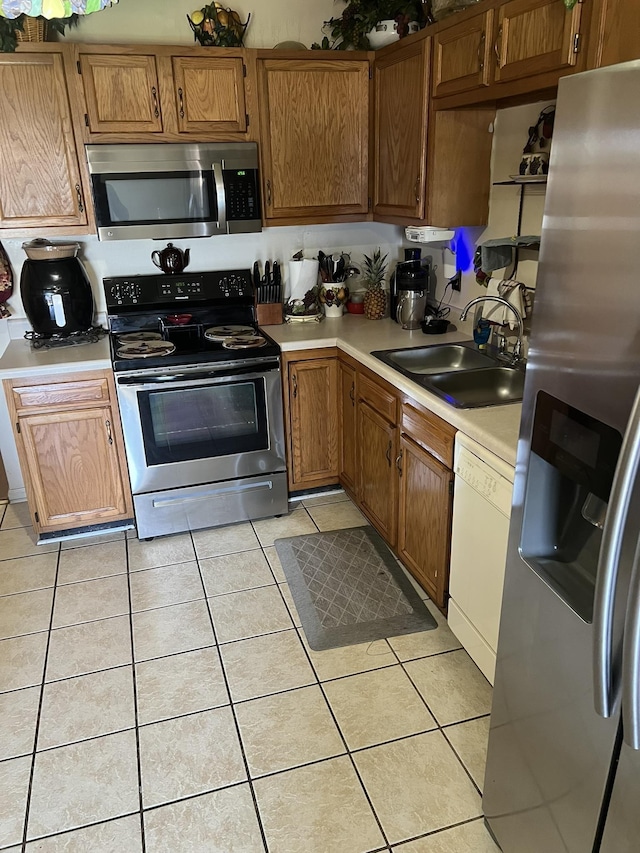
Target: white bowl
column 386, row 32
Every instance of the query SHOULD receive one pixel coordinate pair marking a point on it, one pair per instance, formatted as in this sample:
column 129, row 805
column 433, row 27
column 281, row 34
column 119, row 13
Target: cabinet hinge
column 451, row 487
column 79, row 67
column 244, row 70
column 86, row 119
column 576, row 42
column 37, row 517
column 17, row 426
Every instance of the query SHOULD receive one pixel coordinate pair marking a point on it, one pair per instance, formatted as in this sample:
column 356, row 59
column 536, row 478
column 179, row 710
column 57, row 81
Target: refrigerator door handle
column 631, row 660
column 607, row 573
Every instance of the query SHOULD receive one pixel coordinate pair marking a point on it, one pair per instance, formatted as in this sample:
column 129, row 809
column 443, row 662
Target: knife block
column 269, row 313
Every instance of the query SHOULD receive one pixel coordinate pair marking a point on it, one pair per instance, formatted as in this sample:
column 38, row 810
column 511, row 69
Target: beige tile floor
column 161, row 697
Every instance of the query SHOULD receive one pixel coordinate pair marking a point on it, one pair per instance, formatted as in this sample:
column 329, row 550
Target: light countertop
column 19, row 359
column 494, row 427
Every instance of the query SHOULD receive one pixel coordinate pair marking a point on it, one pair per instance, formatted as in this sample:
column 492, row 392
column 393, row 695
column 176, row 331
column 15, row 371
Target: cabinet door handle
column 269, row 193
column 497, row 47
column 388, row 453
column 352, row 394
column 483, row 38
column 109, row 436
column 416, row 190
column 80, row 199
column 181, row 99
column 399, row 463
column 154, row 95
column 295, row 385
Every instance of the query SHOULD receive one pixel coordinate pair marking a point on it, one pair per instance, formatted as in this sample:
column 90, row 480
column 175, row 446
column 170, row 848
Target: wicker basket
column 34, row 29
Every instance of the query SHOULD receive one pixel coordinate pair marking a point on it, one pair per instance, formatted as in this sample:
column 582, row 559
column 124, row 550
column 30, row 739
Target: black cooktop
column 180, row 309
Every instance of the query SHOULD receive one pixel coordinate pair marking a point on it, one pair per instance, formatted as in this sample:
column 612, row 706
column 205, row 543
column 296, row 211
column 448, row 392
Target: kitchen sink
column 459, row 373
column 490, row 386
column 438, row 359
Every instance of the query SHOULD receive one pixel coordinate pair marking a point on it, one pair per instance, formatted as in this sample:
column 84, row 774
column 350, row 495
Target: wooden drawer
column 379, row 398
column 428, row 430
column 39, row 394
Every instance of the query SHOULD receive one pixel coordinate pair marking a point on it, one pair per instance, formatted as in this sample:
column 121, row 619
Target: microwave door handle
column 220, row 196
column 607, row 572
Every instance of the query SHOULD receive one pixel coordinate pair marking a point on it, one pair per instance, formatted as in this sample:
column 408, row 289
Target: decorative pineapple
column 375, row 299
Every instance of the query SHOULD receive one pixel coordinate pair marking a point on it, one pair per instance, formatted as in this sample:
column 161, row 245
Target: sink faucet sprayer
column 517, row 348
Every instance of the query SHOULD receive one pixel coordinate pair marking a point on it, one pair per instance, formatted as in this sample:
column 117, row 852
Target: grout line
column 235, row 719
column 64, row 832
column 135, row 701
column 39, row 712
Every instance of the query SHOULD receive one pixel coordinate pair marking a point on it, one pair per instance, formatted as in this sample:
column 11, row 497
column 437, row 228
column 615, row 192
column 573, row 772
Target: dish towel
column 514, row 292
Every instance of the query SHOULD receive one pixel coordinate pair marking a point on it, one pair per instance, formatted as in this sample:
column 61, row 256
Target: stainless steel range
column 200, row 399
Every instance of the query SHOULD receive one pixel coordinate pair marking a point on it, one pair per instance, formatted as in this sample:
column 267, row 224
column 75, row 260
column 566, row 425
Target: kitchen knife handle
column 631, row 660
column 615, row 524
column 181, row 99
column 154, row 95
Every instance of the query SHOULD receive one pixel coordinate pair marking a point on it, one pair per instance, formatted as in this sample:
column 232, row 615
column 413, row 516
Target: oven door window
column 151, row 197
column 183, row 424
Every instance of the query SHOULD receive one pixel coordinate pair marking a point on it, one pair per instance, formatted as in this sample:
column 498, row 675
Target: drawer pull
column 80, row 199
column 109, row 436
column 481, row 51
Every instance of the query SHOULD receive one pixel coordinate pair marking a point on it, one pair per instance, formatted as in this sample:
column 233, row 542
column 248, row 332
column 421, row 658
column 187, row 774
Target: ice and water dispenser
column 571, row 468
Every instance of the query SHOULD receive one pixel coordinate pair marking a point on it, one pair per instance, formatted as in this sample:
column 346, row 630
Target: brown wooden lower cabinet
column 348, row 461
column 71, row 452
column 378, row 481
column 424, row 528
column 311, row 417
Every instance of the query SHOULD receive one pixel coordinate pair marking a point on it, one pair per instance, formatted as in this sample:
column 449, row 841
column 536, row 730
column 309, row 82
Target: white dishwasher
column 481, row 510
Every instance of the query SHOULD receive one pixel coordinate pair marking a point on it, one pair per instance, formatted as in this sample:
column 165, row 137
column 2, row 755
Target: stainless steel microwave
column 173, row 190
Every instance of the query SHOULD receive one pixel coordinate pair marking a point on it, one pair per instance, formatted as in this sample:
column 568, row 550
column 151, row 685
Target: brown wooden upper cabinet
column 40, row 183
column 614, row 33
column 314, row 116
column 533, row 37
column 209, row 94
column 401, row 111
column 462, row 54
column 162, row 93
column 122, row 92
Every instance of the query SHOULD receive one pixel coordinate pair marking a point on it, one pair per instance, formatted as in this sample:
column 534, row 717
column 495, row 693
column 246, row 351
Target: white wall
column 165, row 22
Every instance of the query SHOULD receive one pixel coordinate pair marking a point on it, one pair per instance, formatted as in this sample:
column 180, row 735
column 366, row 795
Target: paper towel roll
column 303, row 276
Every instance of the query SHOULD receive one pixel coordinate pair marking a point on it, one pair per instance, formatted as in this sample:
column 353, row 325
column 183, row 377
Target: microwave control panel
column 241, row 192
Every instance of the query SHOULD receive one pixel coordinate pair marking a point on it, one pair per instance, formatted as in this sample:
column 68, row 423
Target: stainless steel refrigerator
column 563, row 767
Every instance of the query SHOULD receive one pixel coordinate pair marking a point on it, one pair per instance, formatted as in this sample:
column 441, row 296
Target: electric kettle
column 171, row 260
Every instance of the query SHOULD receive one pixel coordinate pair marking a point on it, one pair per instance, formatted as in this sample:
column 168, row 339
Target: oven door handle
column 188, row 380
column 220, row 196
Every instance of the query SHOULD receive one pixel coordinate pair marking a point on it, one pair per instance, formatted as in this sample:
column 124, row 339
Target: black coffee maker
column 56, row 293
column 409, row 275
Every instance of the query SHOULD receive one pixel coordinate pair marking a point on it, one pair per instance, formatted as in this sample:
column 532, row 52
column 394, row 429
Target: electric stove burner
column 222, row 333
column 145, row 349
column 244, row 343
column 136, row 337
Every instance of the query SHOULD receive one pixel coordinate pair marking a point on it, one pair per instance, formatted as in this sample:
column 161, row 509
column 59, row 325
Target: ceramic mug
column 534, row 164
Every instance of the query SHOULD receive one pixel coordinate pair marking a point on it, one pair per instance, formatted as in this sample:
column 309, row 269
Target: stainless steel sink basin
column 491, row 386
column 458, row 373
column 438, row 359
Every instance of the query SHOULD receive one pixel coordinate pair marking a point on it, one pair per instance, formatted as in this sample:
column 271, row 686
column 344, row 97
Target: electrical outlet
column 456, row 281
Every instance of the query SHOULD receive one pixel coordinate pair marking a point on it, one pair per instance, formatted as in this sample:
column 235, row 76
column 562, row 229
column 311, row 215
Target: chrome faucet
column 517, row 349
